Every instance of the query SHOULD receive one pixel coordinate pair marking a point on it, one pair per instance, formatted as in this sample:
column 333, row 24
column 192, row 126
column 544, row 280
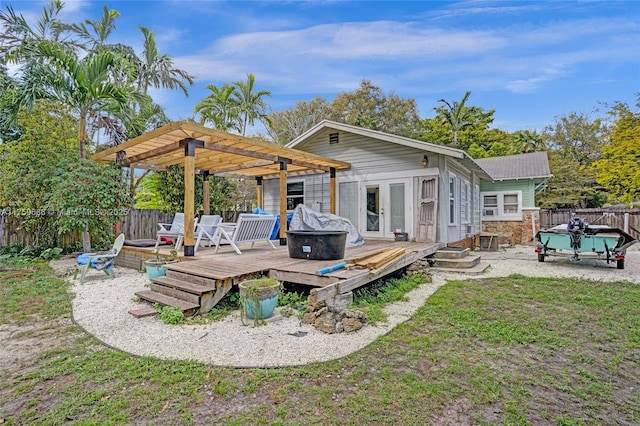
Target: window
column 295, row 194
column 501, row 205
column 452, row 199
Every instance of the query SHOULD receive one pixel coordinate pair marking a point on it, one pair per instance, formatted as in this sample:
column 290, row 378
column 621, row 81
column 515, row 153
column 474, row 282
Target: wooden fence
column 137, row 225
column 610, row 217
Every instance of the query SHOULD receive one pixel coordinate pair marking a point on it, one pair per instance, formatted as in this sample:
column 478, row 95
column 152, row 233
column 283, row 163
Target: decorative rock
column 351, row 324
column 339, row 327
column 326, row 323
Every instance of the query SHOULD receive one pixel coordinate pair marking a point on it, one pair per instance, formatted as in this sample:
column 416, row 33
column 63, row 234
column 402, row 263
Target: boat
column 578, row 237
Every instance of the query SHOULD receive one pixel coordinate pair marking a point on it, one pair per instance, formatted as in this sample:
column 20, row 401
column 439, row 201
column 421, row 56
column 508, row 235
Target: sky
column 531, row 62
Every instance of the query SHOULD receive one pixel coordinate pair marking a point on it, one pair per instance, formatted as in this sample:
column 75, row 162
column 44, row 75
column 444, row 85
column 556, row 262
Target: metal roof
column 221, row 153
column 534, row 165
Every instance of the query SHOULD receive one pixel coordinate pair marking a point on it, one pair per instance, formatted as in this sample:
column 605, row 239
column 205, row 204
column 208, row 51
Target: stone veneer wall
column 515, row 232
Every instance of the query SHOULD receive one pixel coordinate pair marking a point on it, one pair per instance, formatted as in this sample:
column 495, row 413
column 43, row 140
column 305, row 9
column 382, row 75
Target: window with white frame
column 295, row 194
column 501, row 205
column 452, row 199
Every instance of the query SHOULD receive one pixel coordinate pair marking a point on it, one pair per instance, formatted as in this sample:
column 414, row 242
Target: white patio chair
column 174, row 230
column 205, row 230
column 248, row 229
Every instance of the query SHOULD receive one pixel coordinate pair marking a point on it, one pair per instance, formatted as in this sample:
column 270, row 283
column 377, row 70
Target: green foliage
column 51, row 253
column 618, row 170
column 31, row 165
column 170, row 189
column 171, row 315
column 576, row 142
column 88, row 196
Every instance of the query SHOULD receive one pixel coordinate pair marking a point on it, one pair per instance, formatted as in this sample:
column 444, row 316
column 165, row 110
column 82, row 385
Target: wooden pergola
column 199, row 149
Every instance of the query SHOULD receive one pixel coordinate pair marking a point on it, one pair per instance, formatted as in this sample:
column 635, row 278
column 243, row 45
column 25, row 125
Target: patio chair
column 173, row 230
column 102, row 261
column 248, row 229
column 205, row 230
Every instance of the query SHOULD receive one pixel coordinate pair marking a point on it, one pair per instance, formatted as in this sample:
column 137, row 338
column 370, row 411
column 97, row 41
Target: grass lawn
column 513, row 350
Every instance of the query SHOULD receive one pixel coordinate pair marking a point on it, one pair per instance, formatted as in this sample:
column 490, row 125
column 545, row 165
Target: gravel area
column 101, row 308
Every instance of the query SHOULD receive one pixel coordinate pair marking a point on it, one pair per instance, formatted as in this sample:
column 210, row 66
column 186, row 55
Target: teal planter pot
column 258, row 298
column 155, row 271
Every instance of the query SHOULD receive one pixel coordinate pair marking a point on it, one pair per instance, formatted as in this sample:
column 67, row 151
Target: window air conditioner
column 490, row 212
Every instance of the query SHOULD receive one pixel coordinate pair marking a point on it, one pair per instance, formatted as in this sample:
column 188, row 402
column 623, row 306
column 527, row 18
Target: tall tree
column 618, row 169
column 369, row 107
column 575, row 142
column 456, row 115
column 250, row 103
column 287, row 125
column 157, row 70
column 219, row 108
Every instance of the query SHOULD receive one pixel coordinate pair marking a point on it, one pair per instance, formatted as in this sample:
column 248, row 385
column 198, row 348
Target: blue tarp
column 276, row 229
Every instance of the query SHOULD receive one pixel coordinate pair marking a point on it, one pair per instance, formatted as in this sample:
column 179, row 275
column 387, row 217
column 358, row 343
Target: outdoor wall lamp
column 425, row 161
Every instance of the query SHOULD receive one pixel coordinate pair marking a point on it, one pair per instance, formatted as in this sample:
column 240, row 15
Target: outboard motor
column 576, row 229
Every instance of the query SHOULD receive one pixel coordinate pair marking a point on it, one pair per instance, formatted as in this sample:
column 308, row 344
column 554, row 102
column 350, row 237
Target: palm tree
column 525, row 141
column 220, row 108
column 156, row 70
column 456, row 115
column 251, row 106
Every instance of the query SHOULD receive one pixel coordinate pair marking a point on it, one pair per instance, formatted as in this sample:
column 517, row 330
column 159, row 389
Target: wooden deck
column 226, row 268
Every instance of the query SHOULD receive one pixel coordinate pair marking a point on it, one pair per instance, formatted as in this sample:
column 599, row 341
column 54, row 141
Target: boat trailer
column 578, row 237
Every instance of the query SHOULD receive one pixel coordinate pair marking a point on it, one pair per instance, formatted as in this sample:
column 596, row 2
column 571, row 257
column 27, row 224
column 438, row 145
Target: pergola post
column 259, row 190
column 283, row 199
column 205, row 192
column 189, row 192
column 332, row 190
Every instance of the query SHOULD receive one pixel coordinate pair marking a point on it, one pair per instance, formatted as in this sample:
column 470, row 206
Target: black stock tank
column 316, row 245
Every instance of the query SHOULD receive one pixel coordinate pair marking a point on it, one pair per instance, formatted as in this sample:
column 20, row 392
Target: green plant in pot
column 258, row 299
column 156, row 266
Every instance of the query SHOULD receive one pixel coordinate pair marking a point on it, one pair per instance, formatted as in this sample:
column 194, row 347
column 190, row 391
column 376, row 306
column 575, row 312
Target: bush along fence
column 625, row 219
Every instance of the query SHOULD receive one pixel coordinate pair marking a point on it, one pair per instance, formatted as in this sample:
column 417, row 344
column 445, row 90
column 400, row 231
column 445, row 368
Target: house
column 431, row 192
column 508, row 200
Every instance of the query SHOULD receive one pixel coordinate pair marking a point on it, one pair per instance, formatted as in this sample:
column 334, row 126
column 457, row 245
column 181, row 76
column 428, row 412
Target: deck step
column 452, row 253
column 464, row 263
column 183, row 285
column 177, row 294
column 153, row 297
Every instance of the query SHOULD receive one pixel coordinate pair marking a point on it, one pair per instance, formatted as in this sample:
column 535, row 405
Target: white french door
column 385, row 207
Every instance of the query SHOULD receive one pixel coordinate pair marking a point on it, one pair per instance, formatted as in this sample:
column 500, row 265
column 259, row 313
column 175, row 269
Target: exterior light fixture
column 425, row 161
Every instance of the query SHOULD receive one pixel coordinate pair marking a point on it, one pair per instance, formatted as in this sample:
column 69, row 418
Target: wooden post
column 259, row 190
column 283, row 200
column 205, row 193
column 189, row 191
column 332, row 190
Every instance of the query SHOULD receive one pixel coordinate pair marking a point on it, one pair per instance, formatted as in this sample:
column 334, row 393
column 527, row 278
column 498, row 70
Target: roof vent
column 333, row 138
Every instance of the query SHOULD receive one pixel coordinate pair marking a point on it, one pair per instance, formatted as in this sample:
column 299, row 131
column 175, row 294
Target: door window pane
column 396, row 198
column 373, row 208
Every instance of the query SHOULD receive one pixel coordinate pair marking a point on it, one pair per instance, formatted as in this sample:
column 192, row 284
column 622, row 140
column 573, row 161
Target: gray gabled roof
column 534, row 165
column 461, row 155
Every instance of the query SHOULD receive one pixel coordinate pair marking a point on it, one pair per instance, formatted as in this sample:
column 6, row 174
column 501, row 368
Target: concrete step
column 188, row 308
column 463, row 263
column 452, row 253
column 475, row 270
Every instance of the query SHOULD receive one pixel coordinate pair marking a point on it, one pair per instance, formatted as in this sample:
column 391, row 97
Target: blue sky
column 530, row 61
